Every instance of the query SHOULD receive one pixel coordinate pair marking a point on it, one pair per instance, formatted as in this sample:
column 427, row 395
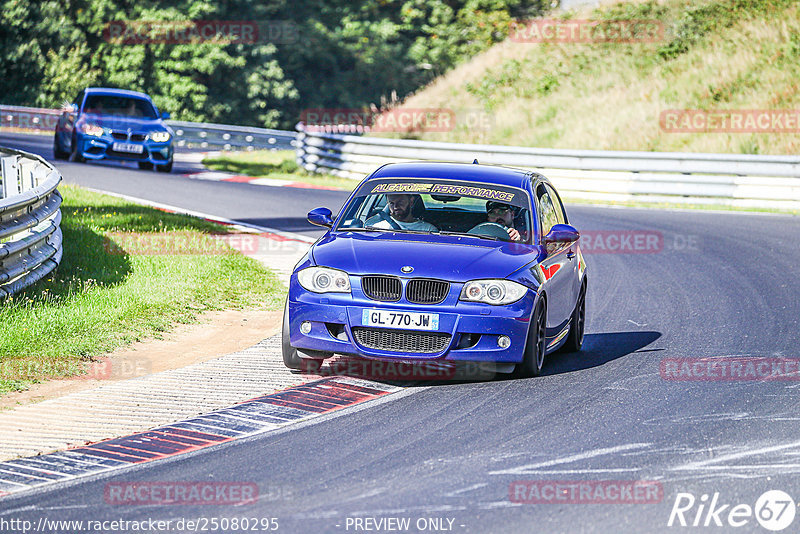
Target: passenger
column 402, row 208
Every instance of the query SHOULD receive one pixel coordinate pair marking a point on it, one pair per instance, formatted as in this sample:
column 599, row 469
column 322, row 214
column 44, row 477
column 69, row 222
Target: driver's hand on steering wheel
column 513, row 234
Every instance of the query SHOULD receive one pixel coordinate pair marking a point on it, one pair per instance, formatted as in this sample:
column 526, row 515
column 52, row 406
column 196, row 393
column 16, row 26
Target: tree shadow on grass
column 91, row 258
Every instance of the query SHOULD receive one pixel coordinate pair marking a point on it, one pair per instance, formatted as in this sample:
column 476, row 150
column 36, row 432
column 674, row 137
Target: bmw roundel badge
column 406, row 269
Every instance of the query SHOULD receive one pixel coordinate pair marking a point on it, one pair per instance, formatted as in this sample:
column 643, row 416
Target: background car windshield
column 447, row 212
column 120, row 106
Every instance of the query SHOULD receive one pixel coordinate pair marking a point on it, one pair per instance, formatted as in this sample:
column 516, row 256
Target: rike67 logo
column 774, row 510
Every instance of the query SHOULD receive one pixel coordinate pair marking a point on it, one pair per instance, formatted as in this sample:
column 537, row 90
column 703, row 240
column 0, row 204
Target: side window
column 547, row 212
column 561, row 214
column 78, row 99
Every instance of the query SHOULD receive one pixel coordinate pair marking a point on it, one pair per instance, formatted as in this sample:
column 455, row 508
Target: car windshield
column 434, row 206
column 119, row 106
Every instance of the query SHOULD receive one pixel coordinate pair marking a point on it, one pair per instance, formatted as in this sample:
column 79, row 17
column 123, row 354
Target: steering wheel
column 385, row 216
column 491, row 229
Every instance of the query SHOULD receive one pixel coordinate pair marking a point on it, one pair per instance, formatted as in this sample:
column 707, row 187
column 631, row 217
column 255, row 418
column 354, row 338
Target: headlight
column 495, row 292
column 160, row 137
column 324, row 280
column 92, row 129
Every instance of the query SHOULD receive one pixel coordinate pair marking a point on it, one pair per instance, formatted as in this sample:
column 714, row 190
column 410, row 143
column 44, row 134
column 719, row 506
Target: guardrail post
column 300, row 146
column 9, row 170
column 27, row 179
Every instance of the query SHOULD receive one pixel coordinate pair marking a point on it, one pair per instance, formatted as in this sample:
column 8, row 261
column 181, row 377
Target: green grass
column 714, row 55
column 109, row 292
column 274, row 164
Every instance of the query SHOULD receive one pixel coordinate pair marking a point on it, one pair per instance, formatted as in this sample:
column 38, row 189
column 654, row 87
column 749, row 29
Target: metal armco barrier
column 30, row 237
column 229, row 137
column 187, row 134
column 675, row 177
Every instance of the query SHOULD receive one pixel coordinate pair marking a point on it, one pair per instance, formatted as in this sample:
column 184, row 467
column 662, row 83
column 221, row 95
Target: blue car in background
column 440, row 262
column 103, row 123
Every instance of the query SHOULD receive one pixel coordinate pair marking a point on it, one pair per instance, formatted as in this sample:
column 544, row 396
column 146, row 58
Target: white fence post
column 9, row 170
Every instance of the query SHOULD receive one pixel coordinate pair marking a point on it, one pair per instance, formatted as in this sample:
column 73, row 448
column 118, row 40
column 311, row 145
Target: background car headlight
column 495, row 292
column 92, row 129
column 324, row 280
column 160, row 137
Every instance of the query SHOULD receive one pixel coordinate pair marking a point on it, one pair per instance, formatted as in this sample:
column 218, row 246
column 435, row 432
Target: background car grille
column 401, row 341
column 422, row 291
column 138, row 137
column 132, row 155
column 383, row 288
column 122, row 136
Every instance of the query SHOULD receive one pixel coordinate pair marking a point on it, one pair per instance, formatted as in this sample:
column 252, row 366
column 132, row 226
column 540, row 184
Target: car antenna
column 475, row 161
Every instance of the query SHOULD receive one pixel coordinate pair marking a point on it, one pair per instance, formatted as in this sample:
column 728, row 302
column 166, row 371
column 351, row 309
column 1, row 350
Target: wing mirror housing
column 165, row 115
column 562, row 234
column 320, row 217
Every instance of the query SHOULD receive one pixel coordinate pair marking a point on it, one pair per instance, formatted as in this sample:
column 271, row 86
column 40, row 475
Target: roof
column 488, row 174
column 112, row 91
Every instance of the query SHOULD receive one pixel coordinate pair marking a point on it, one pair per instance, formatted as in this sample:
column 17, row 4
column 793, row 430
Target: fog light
column 503, row 342
column 305, row 327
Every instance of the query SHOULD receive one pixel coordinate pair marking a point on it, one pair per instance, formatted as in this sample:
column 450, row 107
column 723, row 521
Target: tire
column 165, row 168
column 145, row 165
column 291, row 359
column 577, row 323
column 536, row 344
column 57, row 152
column 73, row 155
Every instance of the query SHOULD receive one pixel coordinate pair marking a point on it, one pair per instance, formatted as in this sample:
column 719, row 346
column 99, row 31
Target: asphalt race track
column 718, row 285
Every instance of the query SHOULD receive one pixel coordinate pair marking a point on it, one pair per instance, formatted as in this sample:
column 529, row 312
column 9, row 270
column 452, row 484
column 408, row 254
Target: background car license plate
column 128, row 147
column 398, row 319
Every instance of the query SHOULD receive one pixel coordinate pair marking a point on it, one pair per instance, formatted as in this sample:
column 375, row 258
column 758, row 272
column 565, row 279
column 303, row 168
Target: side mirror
column 320, row 217
column 165, row 115
column 562, row 234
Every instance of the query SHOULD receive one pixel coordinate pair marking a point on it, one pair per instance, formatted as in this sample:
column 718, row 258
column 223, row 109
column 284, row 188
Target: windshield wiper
column 378, row 229
column 466, row 234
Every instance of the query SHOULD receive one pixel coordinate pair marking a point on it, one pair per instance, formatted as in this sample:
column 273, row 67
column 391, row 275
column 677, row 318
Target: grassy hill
column 715, row 55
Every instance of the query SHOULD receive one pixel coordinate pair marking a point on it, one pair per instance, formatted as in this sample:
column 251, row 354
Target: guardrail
column 30, row 215
column 685, row 178
column 187, row 134
column 226, row 136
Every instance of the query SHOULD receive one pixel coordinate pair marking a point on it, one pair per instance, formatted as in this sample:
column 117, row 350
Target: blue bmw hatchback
column 440, row 262
column 104, row 123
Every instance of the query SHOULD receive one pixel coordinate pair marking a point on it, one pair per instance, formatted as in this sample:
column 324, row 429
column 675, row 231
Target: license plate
column 128, row 147
column 398, row 319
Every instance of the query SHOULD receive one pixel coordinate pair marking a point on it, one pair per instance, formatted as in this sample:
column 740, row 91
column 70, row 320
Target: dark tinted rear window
column 120, row 106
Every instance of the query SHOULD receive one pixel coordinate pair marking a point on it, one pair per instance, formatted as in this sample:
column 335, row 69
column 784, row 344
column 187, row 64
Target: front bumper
column 98, row 148
column 473, row 328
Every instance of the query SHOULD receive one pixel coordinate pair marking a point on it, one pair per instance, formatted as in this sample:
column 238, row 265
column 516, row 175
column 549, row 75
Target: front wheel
column 74, row 155
column 165, row 168
column 291, row 359
column 536, row 344
column 58, row 153
column 576, row 326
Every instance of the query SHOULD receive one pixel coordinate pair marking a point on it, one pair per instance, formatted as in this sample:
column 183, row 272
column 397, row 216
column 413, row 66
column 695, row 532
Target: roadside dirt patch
column 216, row 334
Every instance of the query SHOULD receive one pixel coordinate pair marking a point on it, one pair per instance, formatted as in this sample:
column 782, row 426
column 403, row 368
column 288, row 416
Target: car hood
column 453, row 258
column 123, row 123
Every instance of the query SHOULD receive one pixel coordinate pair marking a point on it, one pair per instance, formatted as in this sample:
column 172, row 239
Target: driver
column 502, row 214
column 401, row 210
